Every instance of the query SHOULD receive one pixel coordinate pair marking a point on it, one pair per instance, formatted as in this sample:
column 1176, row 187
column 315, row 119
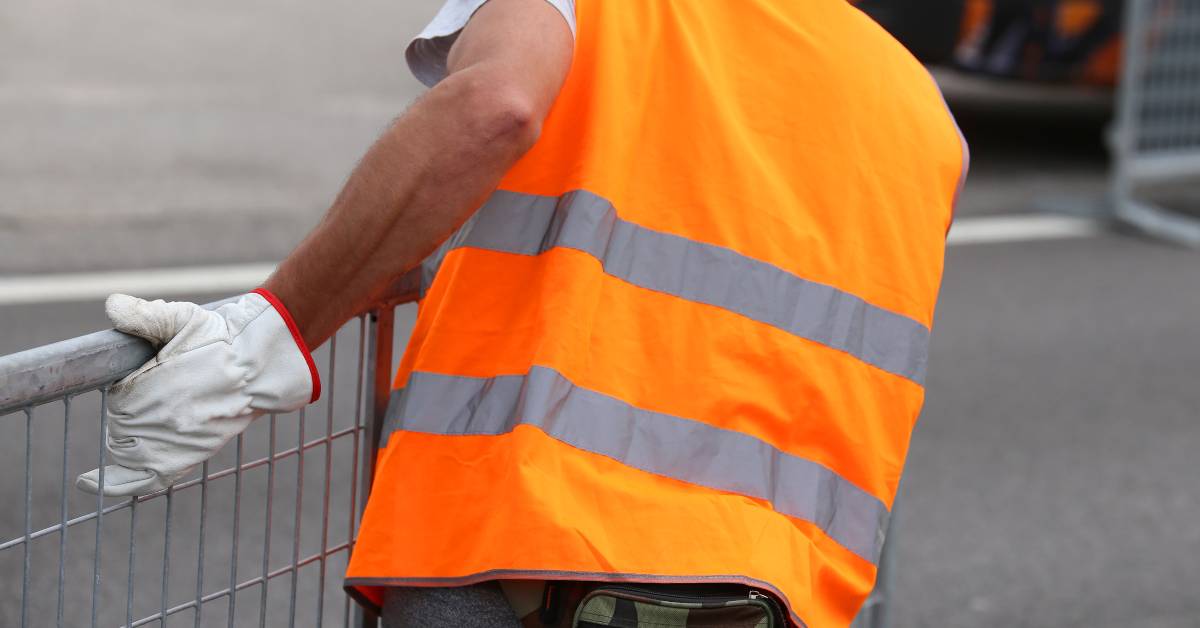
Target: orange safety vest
column 686, row 338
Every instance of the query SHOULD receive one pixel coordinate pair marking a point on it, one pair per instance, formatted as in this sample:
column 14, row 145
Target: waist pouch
column 676, row 606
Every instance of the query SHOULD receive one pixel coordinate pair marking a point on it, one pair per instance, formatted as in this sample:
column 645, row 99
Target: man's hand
column 215, row 372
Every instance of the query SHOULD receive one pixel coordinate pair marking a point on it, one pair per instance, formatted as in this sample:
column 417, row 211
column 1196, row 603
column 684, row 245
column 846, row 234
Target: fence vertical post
column 380, row 328
column 1125, row 131
column 886, row 576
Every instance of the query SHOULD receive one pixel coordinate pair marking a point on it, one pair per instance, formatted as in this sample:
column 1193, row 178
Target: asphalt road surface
column 1052, row 479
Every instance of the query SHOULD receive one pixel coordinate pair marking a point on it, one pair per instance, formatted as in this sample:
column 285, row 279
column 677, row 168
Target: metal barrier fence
column 247, row 542
column 253, row 534
column 1157, row 135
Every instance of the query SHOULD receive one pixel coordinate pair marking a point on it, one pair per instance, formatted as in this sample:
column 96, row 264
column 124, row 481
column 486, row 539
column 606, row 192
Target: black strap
column 551, row 610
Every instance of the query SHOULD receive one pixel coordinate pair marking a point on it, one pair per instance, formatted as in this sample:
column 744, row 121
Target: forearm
column 422, row 179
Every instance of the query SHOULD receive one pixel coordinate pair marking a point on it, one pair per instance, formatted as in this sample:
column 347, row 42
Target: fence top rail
column 76, row 365
column 80, row 364
column 84, row 363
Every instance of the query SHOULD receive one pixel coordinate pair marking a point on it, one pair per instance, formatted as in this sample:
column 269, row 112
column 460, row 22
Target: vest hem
column 352, row 584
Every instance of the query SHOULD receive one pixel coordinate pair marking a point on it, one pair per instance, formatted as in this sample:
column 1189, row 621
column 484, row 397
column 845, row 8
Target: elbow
column 518, row 122
column 501, row 116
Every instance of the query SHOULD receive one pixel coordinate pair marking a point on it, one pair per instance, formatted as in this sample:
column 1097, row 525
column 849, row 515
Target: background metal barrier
column 1156, row 182
column 259, row 537
column 875, row 612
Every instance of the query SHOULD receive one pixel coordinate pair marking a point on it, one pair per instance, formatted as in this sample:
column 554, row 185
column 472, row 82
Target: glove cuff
column 295, row 331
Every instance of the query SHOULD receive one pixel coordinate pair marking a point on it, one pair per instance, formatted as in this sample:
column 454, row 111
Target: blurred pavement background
column 1053, row 477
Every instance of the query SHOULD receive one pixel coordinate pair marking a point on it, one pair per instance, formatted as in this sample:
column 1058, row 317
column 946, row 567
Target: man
column 677, row 336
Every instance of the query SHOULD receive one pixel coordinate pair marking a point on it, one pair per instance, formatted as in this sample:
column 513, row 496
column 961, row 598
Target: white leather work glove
column 215, row 371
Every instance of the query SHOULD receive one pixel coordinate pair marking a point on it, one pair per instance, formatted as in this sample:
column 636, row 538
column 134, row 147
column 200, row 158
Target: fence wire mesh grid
column 1167, row 73
column 1157, row 141
column 260, row 536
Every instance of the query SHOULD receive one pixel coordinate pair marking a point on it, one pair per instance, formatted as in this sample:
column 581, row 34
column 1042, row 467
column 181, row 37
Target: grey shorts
column 476, row 606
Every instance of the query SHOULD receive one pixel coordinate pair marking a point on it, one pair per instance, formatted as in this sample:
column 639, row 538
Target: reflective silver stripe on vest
column 666, row 445
column 704, row 273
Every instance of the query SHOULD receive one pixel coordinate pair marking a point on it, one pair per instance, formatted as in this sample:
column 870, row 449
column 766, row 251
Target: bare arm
column 433, row 167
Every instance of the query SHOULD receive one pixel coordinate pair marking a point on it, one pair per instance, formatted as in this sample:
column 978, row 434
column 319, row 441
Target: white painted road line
column 167, row 282
column 122, row 97
column 1020, row 228
column 149, row 283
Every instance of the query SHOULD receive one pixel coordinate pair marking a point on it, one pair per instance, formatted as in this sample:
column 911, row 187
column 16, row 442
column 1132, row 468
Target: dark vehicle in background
column 1074, row 42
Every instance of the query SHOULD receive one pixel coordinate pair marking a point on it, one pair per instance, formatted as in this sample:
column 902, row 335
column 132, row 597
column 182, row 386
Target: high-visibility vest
column 685, row 339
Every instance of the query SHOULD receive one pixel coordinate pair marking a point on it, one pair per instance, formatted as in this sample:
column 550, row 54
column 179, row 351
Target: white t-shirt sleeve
column 426, row 54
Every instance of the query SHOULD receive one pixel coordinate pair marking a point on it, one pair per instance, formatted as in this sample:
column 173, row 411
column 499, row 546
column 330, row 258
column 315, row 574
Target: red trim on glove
column 291, row 325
